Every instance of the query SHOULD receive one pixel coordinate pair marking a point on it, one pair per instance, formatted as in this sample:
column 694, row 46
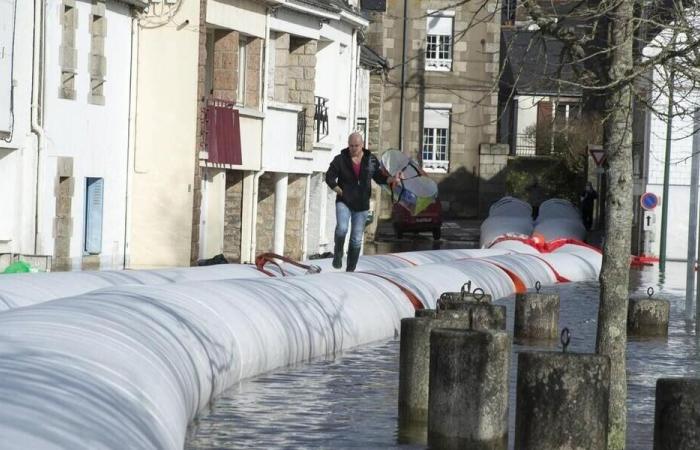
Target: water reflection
column 350, row 401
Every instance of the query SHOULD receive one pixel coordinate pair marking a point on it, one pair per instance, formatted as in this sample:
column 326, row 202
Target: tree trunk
column 614, row 276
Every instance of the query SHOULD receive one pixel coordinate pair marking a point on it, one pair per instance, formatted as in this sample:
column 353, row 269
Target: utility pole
column 692, row 219
column 667, row 170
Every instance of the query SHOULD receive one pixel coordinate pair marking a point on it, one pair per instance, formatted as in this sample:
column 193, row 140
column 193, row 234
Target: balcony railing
column 321, row 117
column 525, row 145
column 222, row 132
column 435, row 166
column 301, row 130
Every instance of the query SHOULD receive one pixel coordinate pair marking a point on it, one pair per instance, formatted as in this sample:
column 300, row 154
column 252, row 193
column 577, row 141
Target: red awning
column 223, row 133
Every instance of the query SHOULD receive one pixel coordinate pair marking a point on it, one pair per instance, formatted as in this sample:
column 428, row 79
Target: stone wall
column 301, row 76
column 280, row 92
column 64, row 189
column 252, row 72
column 233, row 215
column 294, row 226
column 492, row 174
column 265, row 219
column 225, row 82
column 470, row 87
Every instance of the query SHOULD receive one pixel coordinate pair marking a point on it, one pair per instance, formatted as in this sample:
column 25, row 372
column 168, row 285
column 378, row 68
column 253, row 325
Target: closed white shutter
column 440, row 25
column 436, row 118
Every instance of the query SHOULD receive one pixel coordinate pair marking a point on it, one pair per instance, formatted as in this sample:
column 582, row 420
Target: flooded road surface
column 350, row 401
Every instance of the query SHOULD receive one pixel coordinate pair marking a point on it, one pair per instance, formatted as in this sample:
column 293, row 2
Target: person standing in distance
column 349, row 175
column 588, row 198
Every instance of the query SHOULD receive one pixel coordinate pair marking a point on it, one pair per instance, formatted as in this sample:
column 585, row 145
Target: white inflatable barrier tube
column 130, row 367
column 509, row 216
column 559, row 219
column 19, row 290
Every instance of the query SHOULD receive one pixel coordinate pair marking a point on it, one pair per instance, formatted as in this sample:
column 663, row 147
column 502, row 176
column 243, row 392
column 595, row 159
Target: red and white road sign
column 597, row 152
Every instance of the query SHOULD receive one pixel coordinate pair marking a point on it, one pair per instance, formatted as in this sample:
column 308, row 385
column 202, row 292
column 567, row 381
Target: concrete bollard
column 536, row 316
column 463, row 299
column 426, row 313
column 562, row 401
column 488, row 317
column 468, row 404
column 677, row 415
column 414, row 366
column 648, row 317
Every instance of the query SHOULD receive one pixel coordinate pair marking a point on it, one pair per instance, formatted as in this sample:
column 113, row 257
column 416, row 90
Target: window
column 67, row 52
column 436, row 139
column 438, row 51
column 94, row 193
column 97, row 62
column 242, row 55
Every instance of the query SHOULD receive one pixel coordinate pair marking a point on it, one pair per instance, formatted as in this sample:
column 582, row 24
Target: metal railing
column 525, row 145
column 301, row 130
column 321, row 117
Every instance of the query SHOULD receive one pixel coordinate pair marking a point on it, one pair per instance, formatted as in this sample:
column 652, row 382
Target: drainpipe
column 254, row 215
column 403, row 72
column 281, row 185
column 305, row 225
column 37, row 129
column 133, row 95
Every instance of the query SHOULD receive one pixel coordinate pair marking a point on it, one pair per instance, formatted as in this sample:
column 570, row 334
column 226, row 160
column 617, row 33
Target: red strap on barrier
column 415, row 301
column 402, row 258
column 520, row 287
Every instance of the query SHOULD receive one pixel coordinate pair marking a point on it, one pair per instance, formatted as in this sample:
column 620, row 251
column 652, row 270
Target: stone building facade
column 441, row 94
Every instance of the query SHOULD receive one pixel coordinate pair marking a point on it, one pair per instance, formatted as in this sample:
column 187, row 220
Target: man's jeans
column 357, row 220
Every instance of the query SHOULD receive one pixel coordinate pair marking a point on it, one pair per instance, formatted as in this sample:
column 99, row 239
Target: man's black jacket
column 356, row 192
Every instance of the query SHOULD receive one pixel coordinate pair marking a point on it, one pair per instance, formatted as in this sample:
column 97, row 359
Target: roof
column 533, row 64
column 370, row 59
column 320, row 4
column 137, row 3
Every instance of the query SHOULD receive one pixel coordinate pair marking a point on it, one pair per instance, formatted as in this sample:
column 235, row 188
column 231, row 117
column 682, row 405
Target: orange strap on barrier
column 402, row 258
column 520, row 287
column 415, row 301
column 265, row 258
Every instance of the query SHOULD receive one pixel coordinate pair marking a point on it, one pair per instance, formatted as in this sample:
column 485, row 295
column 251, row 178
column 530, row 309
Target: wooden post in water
column 468, row 403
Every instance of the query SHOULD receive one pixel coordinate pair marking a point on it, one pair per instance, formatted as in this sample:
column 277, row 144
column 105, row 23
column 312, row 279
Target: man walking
column 588, row 197
column 349, row 175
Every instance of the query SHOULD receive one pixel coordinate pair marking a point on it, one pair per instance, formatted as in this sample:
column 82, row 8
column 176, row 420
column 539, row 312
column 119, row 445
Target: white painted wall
column 7, row 28
column 527, row 112
column 18, row 151
column 165, row 143
column 95, row 136
column 679, row 175
column 245, row 16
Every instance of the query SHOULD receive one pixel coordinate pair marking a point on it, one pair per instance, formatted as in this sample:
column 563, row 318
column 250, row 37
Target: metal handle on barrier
column 650, row 291
column 538, row 286
column 565, row 338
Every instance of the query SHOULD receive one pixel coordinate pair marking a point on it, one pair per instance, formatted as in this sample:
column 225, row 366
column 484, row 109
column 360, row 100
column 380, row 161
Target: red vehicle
column 430, row 219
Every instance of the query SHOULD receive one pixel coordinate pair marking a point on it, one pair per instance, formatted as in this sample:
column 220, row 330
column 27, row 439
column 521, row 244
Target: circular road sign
column 649, row 201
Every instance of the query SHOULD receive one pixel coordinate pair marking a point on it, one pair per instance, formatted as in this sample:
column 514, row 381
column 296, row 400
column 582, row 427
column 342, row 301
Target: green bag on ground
column 18, row 267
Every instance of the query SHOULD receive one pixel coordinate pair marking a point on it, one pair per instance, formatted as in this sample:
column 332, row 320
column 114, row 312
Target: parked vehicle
column 430, row 219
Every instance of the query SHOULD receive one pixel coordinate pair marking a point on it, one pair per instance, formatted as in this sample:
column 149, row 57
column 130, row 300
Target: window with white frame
column 436, row 139
column 438, row 50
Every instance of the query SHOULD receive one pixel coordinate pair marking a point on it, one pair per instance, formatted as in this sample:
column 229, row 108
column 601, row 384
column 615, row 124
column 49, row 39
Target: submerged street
column 350, row 400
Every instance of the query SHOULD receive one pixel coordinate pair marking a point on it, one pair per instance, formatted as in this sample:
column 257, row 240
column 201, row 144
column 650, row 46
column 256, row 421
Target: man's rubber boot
column 353, row 256
column 338, row 252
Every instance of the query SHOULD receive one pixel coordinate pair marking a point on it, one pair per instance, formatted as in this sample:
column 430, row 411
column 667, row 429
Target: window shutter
column 543, row 133
column 93, row 215
column 436, row 118
column 440, row 25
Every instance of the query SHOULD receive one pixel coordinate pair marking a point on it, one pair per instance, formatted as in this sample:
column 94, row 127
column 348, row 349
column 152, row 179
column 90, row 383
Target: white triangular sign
column 598, row 156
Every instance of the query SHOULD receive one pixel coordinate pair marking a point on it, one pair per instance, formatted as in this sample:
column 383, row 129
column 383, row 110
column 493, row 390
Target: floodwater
column 350, row 400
